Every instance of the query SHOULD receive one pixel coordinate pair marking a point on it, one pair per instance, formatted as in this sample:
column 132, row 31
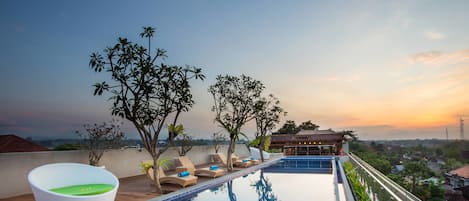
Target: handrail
column 336, row 183
column 376, row 179
column 392, row 183
column 394, row 189
column 348, row 192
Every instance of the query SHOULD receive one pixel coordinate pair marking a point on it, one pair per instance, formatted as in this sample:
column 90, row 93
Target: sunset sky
column 385, row 69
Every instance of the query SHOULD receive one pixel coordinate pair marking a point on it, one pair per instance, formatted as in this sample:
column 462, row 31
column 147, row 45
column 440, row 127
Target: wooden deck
column 136, row 188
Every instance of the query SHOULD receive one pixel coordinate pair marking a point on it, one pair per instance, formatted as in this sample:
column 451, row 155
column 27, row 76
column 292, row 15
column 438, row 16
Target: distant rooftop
column 316, row 132
column 462, row 172
column 13, row 143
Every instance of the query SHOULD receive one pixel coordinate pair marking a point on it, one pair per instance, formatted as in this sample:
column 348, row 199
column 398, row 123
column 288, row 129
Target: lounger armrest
column 233, row 160
column 213, row 158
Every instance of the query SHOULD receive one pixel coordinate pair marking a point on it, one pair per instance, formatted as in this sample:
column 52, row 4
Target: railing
column 379, row 186
column 347, row 190
column 336, row 178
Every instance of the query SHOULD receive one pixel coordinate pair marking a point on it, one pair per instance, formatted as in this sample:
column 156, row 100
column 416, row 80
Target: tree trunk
column 261, row 148
column 93, row 163
column 260, row 152
column 94, row 157
column 231, row 194
column 229, row 162
column 413, row 184
column 156, row 175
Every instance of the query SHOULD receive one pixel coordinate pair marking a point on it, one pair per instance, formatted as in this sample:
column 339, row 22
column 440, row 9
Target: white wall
column 14, row 167
column 345, row 147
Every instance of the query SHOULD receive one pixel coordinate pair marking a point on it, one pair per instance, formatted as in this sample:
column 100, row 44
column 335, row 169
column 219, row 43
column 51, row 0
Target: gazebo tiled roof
column 316, row 132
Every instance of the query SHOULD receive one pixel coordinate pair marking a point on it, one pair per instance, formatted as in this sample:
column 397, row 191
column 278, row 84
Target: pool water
column 302, row 165
column 273, row 186
column 289, row 179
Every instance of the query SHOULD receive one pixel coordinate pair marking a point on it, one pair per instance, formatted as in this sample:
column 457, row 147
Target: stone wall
column 14, row 167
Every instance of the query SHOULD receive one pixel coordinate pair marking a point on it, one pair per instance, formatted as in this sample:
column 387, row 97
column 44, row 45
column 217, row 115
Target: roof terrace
column 134, row 185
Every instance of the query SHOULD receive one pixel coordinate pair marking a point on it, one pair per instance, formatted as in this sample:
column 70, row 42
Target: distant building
column 406, row 156
column 434, row 166
column 397, row 168
column 310, row 142
column 431, row 180
column 13, row 143
column 458, row 178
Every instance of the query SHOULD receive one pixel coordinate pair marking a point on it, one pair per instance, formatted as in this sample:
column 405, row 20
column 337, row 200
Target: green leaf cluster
column 163, row 162
column 67, row 147
column 257, row 141
column 358, row 189
column 290, row 127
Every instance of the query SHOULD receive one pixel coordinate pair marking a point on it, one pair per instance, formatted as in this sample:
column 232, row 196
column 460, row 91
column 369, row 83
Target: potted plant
column 147, row 165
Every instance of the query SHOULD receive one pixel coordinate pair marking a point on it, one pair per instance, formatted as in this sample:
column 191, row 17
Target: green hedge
column 358, row 189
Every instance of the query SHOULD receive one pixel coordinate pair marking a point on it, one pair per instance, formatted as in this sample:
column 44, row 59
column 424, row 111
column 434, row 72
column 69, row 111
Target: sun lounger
column 253, row 161
column 221, row 158
column 234, row 157
column 242, row 163
column 187, row 165
column 173, row 179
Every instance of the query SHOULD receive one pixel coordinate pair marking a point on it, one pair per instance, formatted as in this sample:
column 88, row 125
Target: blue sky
column 387, row 69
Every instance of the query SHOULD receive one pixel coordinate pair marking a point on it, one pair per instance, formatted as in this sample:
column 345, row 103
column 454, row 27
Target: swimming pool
column 318, row 164
column 292, row 178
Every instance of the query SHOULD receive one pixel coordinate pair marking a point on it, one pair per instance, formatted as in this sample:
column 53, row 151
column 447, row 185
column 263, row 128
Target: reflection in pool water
column 266, row 186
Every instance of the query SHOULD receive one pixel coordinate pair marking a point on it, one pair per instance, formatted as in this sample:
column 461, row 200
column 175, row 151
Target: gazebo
column 309, row 142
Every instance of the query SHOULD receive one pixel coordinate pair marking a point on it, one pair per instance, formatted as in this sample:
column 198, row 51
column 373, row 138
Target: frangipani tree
column 267, row 116
column 234, row 99
column 143, row 91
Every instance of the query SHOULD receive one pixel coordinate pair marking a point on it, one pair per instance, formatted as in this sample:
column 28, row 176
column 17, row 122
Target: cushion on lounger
column 245, row 160
column 85, row 189
column 214, row 167
column 184, row 174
